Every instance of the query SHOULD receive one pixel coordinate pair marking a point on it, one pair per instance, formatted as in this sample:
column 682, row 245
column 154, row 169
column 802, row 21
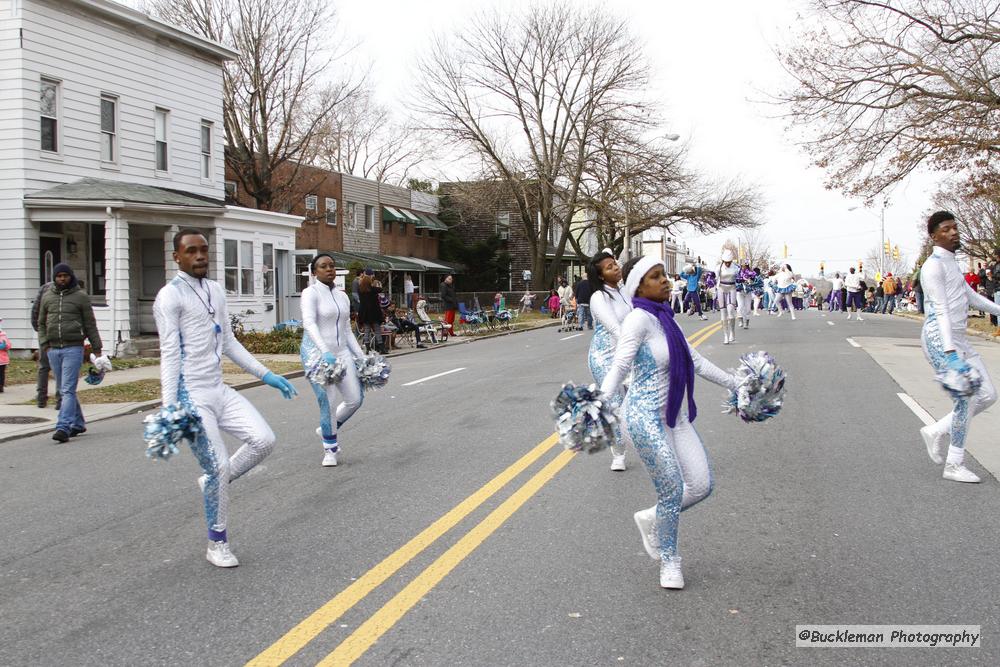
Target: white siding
column 362, row 192
column 91, row 57
column 424, row 202
column 392, row 195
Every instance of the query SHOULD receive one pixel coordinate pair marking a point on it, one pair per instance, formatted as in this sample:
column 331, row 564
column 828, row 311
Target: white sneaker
column 618, row 462
column 219, row 555
column 646, row 521
column 202, row 481
column 933, row 442
column 859, row 319
column 330, row 459
column 957, row 472
column 670, row 573
column 850, row 315
column 793, row 317
column 703, row 317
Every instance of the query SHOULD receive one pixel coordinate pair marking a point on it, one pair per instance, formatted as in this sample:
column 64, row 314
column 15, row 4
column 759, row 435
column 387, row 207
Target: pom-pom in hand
column 324, row 368
column 584, row 418
column 373, row 371
column 959, row 378
column 166, row 429
column 760, row 388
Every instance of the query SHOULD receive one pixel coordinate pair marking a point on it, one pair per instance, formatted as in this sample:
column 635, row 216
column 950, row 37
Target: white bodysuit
column 194, row 329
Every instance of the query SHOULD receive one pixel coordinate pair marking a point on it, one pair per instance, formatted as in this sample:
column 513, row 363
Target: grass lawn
column 279, row 367
column 25, row 371
column 124, row 392
column 981, row 324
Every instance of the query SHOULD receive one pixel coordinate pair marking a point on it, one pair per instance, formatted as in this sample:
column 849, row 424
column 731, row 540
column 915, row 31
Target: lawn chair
column 473, row 321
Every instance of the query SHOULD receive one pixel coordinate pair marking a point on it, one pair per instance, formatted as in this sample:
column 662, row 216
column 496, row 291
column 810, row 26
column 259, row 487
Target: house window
column 369, row 218
column 48, row 107
column 312, row 201
column 232, row 267
column 402, row 227
column 503, row 225
column 417, row 231
column 98, row 286
column 386, row 225
column 302, row 272
column 246, row 268
column 331, row 211
column 352, row 222
column 231, row 190
column 268, row 270
column 206, row 150
column 160, row 132
column 109, row 128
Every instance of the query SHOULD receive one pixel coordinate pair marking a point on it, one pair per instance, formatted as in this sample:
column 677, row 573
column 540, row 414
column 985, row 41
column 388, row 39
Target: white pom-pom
column 171, row 425
column 958, row 383
column 320, row 372
column 584, row 418
column 760, row 389
column 373, row 371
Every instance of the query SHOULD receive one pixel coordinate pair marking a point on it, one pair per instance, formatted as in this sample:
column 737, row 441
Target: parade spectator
column 408, row 290
column 449, row 302
column 42, row 383
column 65, row 320
column 355, row 293
column 583, row 292
column 370, row 317
column 987, row 287
column 995, row 268
column 891, row 289
column 879, row 297
column 565, row 292
column 402, row 324
column 498, row 301
column 4, row 355
column 527, row 302
column 553, row 304
column 422, row 318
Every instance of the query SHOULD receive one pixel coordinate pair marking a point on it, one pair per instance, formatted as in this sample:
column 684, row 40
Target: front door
column 152, row 277
column 281, row 284
column 50, row 254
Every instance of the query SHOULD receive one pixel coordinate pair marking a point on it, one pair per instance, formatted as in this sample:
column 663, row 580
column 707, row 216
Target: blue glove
column 956, row 363
column 329, row 358
column 281, row 384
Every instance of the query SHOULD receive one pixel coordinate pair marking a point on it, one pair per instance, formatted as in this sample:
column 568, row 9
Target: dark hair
column 629, row 265
column 594, row 271
column 187, row 231
column 936, row 219
column 312, row 264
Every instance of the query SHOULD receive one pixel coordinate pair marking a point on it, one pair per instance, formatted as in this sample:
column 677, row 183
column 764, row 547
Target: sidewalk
column 20, row 417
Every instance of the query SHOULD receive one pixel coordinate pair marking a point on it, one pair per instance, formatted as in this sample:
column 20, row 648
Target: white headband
column 635, row 276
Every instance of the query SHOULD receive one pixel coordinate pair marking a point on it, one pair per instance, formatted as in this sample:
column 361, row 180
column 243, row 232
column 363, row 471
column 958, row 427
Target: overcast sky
column 711, row 62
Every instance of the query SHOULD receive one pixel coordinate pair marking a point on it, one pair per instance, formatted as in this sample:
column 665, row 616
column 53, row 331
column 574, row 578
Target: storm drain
column 22, row 420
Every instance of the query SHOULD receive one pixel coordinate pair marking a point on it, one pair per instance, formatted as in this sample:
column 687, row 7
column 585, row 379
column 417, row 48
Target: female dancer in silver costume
column 609, row 307
column 663, row 364
column 326, row 318
column 727, row 296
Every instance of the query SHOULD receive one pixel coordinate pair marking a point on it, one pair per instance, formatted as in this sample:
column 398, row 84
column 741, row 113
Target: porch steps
column 147, row 347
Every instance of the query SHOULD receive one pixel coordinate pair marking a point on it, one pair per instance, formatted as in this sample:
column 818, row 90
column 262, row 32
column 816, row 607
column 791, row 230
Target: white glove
column 101, row 363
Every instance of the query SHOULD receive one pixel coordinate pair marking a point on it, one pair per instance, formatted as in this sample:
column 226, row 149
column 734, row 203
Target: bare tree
column 275, row 92
column 361, row 137
column 978, row 214
column 521, row 94
column 877, row 260
column 885, row 86
column 754, row 248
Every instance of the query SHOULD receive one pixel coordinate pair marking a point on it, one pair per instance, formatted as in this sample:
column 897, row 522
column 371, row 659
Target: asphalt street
column 830, row 513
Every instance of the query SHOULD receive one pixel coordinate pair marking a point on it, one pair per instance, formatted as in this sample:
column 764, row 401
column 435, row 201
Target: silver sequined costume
column 195, row 334
column 609, row 307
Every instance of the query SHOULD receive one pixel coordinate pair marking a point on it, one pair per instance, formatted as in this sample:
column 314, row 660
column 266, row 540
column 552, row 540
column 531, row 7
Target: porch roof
column 101, row 192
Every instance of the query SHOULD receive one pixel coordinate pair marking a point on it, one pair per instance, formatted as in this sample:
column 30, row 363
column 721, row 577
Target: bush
column 286, row 341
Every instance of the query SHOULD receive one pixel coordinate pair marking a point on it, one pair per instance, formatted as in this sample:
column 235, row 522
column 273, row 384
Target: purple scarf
column 681, row 363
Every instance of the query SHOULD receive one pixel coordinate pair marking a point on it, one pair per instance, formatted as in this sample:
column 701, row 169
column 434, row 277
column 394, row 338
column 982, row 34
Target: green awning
column 410, row 215
column 389, row 214
column 388, row 262
column 431, row 221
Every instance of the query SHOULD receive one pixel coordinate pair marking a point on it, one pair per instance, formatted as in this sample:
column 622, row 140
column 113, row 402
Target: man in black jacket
column 42, row 383
column 449, row 303
column 582, row 292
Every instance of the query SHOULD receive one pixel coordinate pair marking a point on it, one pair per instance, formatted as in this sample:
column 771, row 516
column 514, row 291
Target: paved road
column 830, row 513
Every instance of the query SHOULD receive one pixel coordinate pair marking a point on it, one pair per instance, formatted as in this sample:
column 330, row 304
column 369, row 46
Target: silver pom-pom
column 760, row 388
column 172, row 425
column 960, row 384
column 373, row 371
column 584, row 419
column 318, row 371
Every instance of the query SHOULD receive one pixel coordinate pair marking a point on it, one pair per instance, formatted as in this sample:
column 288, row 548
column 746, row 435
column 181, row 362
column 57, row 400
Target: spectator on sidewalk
column 449, row 302
column 4, row 355
column 65, row 319
column 402, row 324
column 995, row 268
column 527, row 302
column 565, row 293
column 553, row 304
column 408, row 290
column 370, row 316
column 987, row 287
column 879, row 297
column 583, row 292
column 890, row 289
column 355, row 293
column 42, row 384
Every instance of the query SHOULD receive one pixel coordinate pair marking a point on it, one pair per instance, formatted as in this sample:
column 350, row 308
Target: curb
column 146, row 405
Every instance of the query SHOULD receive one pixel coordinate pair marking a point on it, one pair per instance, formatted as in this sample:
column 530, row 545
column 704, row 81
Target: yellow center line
column 369, row 632
column 296, row 638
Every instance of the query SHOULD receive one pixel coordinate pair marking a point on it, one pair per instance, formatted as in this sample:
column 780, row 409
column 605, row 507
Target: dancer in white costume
column 663, row 364
column 195, row 333
column 836, row 287
column 947, row 299
column 326, row 318
column 609, row 307
column 727, row 296
column 784, row 285
column 855, row 299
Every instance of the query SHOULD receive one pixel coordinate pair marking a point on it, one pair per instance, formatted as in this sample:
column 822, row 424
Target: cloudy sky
column 712, row 61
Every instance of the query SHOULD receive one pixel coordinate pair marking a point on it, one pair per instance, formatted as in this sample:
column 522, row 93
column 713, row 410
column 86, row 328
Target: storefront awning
column 388, row 262
column 410, row 215
column 392, row 215
column 431, row 221
column 433, row 266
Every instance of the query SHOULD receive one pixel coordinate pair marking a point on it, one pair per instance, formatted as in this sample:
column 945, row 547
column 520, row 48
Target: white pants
column 346, row 395
column 743, row 300
column 223, row 409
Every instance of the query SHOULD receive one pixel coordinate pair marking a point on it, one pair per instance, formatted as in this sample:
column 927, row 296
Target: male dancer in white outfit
column 195, row 333
column 326, row 318
column 836, row 286
column 784, row 286
column 727, row 296
column 947, row 299
column 855, row 299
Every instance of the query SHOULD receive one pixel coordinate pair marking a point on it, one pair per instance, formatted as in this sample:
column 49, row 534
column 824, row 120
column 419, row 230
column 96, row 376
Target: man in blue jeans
column 65, row 320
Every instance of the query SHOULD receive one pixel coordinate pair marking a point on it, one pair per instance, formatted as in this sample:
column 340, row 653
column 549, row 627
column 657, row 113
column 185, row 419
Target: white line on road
column 921, row 414
column 832, row 324
column 431, row 377
column 853, row 342
column 573, row 336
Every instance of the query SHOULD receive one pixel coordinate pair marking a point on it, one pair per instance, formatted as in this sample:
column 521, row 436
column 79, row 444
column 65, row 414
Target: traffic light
column 888, row 249
column 895, row 253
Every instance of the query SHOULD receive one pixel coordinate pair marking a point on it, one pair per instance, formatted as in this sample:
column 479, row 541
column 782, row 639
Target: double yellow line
column 382, row 620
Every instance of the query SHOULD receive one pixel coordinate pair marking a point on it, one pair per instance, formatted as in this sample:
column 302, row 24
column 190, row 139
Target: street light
column 881, row 258
column 628, row 235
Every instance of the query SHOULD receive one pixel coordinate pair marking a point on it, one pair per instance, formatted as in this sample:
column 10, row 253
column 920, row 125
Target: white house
column 111, row 139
